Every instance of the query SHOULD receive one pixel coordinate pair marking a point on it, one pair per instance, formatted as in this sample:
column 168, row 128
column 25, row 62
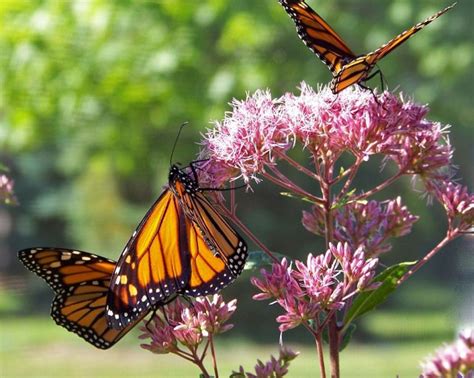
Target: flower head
column 187, row 325
column 456, row 200
column 371, row 223
column 322, row 284
column 260, row 129
column 213, row 313
column 453, row 359
column 249, row 136
column 275, row 367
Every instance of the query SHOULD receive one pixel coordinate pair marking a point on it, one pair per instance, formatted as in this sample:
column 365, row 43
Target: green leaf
column 301, row 198
column 368, row 300
column 258, row 259
column 349, row 331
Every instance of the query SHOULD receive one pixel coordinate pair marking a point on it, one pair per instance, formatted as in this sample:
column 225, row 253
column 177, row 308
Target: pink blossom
column 275, row 367
column 456, row 200
column 356, row 267
column 6, row 190
column 189, row 330
column 372, row 223
column 277, row 283
column 259, row 129
column 162, row 337
column 319, row 285
column 249, row 136
column 214, row 312
column 453, row 359
column 188, row 325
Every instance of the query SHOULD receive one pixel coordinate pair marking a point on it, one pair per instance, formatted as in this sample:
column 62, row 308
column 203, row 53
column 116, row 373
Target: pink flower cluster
column 452, row 360
column 457, row 202
column 367, row 224
column 276, row 367
column 6, row 190
column 188, row 325
column 260, row 129
column 323, row 284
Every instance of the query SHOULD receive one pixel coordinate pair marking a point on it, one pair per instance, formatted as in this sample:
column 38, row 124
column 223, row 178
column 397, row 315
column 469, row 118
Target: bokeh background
column 92, row 93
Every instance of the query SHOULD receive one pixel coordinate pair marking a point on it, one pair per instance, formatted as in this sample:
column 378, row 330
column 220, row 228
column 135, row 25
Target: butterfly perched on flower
column 347, row 68
column 183, row 246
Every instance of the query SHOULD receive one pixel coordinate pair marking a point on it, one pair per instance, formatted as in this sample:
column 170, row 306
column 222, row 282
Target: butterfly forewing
column 318, row 35
column 154, row 264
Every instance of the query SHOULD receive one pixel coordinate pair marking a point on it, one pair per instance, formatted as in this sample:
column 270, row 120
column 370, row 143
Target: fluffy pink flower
column 453, row 359
column 163, row 339
column 277, row 283
column 249, row 136
column 259, row 129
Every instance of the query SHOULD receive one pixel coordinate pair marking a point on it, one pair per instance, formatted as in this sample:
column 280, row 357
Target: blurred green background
column 91, row 97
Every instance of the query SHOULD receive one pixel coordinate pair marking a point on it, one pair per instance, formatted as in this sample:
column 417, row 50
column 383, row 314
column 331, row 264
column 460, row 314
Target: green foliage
column 370, row 299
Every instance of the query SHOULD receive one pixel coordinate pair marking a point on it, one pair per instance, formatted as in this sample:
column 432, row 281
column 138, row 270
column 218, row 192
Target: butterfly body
column 347, row 68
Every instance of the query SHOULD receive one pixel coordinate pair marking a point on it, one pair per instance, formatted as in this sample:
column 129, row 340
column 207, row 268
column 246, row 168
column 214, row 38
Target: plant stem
column 319, row 348
column 286, row 184
column 214, row 360
column 378, row 188
column 451, row 234
column 199, row 362
column 298, row 166
column 247, row 232
column 334, row 347
column 333, row 329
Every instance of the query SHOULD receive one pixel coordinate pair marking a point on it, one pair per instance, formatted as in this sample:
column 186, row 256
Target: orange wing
column 81, row 282
column 318, row 35
column 154, row 264
column 346, row 67
column 357, row 70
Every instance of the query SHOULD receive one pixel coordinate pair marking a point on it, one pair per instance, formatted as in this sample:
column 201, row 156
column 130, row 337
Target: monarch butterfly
column 80, row 281
column 346, row 67
column 182, row 246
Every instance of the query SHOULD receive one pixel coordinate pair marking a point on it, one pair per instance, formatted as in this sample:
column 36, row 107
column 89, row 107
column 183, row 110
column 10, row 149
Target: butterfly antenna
column 176, row 141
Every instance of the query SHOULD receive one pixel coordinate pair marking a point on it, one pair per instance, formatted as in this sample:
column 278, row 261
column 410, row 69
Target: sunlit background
column 91, row 97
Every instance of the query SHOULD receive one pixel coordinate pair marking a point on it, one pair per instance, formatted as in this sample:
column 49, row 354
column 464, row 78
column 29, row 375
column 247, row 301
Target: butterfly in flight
column 81, row 282
column 183, row 246
column 347, row 68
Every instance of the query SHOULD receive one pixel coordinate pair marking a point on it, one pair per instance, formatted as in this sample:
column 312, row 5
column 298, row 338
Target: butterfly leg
column 155, row 309
column 371, row 91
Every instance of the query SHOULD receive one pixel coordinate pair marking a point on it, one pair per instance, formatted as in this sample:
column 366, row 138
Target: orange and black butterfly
column 80, row 281
column 183, row 246
column 347, row 68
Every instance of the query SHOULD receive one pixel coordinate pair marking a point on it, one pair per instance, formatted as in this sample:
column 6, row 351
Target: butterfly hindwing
column 81, row 283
